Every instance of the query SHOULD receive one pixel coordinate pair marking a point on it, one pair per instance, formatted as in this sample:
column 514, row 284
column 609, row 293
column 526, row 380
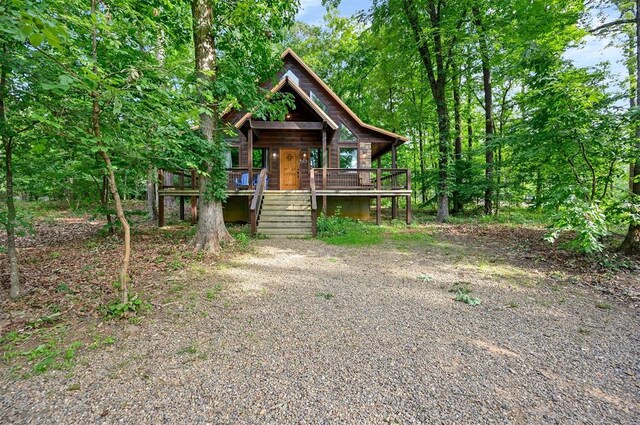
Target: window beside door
column 260, row 158
column 348, row 158
column 315, row 157
column 232, row 157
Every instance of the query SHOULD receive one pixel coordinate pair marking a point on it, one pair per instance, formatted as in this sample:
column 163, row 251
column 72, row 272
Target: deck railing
column 256, row 202
column 314, row 204
column 239, row 178
column 362, row 178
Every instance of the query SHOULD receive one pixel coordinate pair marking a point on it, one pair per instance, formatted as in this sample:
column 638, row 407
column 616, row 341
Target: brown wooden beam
column 182, row 197
column 324, row 167
column 394, row 200
column 287, row 125
column 250, row 154
column 194, row 199
column 160, row 198
column 409, row 197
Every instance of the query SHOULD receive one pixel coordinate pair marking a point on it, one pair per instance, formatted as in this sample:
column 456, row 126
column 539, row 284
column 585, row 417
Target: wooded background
column 95, row 95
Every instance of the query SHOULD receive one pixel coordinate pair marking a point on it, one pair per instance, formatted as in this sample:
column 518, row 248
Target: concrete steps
column 285, row 214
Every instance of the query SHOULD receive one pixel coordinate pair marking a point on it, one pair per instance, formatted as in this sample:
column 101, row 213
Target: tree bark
column 488, row 110
column 458, row 205
column 631, row 243
column 123, row 273
column 7, row 142
column 212, row 232
column 437, row 81
column 152, row 207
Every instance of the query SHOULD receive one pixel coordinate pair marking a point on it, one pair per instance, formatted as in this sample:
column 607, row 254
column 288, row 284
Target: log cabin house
column 320, row 158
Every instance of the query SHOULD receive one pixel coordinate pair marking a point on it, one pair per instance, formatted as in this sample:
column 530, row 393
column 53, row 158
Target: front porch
column 323, row 184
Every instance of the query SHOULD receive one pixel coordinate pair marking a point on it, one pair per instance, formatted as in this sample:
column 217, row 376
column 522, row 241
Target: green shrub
column 586, row 220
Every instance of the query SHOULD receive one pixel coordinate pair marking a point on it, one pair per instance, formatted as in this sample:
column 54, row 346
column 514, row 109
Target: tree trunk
column 631, row 243
column 123, row 273
column 423, row 186
column 443, row 158
column 488, row 111
column 458, row 205
column 437, row 81
column 152, row 207
column 104, row 199
column 7, row 142
column 212, row 231
column 12, row 252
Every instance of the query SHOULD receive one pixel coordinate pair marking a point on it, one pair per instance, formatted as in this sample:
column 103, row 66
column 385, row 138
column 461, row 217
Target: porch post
column 194, row 200
column 182, row 197
column 160, row 198
column 394, row 200
column 379, row 198
column 409, row 197
column 250, row 155
column 324, row 166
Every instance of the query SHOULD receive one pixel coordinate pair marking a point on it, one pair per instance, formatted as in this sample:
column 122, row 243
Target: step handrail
column 256, row 202
column 314, row 204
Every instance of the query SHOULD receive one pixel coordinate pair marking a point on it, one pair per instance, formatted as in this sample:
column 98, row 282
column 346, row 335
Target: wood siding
column 369, row 143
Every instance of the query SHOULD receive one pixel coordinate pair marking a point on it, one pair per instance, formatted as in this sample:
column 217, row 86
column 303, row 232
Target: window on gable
column 317, row 101
column 292, row 77
column 346, row 135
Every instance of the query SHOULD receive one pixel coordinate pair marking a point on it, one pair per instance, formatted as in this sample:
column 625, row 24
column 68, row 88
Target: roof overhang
column 353, row 115
column 286, row 82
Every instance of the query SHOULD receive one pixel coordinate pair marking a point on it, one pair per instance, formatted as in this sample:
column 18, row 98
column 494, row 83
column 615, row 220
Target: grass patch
column 50, row 353
column 425, row 278
column 337, row 230
column 462, row 291
column 212, row 293
column 325, row 295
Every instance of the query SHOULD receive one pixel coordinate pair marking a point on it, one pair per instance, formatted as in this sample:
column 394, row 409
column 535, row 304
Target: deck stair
column 285, row 214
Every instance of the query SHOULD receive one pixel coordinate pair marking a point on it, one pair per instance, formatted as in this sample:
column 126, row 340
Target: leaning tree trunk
column 631, row 243
column 212, row 231
column 123, row 273
column 7, row 142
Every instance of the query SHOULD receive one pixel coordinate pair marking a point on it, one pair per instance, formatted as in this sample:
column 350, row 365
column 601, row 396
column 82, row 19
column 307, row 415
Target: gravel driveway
column 304, row 332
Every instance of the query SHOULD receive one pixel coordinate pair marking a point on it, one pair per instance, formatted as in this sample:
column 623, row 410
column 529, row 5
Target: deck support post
column 379, row 198
column 324, row 167
column 160, row 198
column 394, row 200
column 194, row 199
column 408, row 197
column 250, row 155
column 182, row 197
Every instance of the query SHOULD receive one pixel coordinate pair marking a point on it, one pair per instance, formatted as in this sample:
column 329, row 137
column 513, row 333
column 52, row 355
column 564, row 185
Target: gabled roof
column 335, row 97
column 303, row 95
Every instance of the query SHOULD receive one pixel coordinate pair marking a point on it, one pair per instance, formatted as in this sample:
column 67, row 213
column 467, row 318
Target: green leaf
column 52, row 38
column 36, row 39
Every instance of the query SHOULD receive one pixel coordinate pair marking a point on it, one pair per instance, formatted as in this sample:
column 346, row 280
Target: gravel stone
column 387, row 348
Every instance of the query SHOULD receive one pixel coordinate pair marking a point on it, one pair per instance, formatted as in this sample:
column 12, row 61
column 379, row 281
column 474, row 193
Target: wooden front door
column 289, row 169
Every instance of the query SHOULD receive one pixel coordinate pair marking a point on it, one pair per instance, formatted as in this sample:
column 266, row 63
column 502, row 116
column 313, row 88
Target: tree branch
column 611, row 24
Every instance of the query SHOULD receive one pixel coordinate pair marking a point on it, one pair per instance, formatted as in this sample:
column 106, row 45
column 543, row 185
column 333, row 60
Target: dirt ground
column 281, row 331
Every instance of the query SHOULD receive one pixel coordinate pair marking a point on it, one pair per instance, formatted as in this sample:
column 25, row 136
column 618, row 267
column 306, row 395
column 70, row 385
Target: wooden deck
column 329, row 192
column 372, row 183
